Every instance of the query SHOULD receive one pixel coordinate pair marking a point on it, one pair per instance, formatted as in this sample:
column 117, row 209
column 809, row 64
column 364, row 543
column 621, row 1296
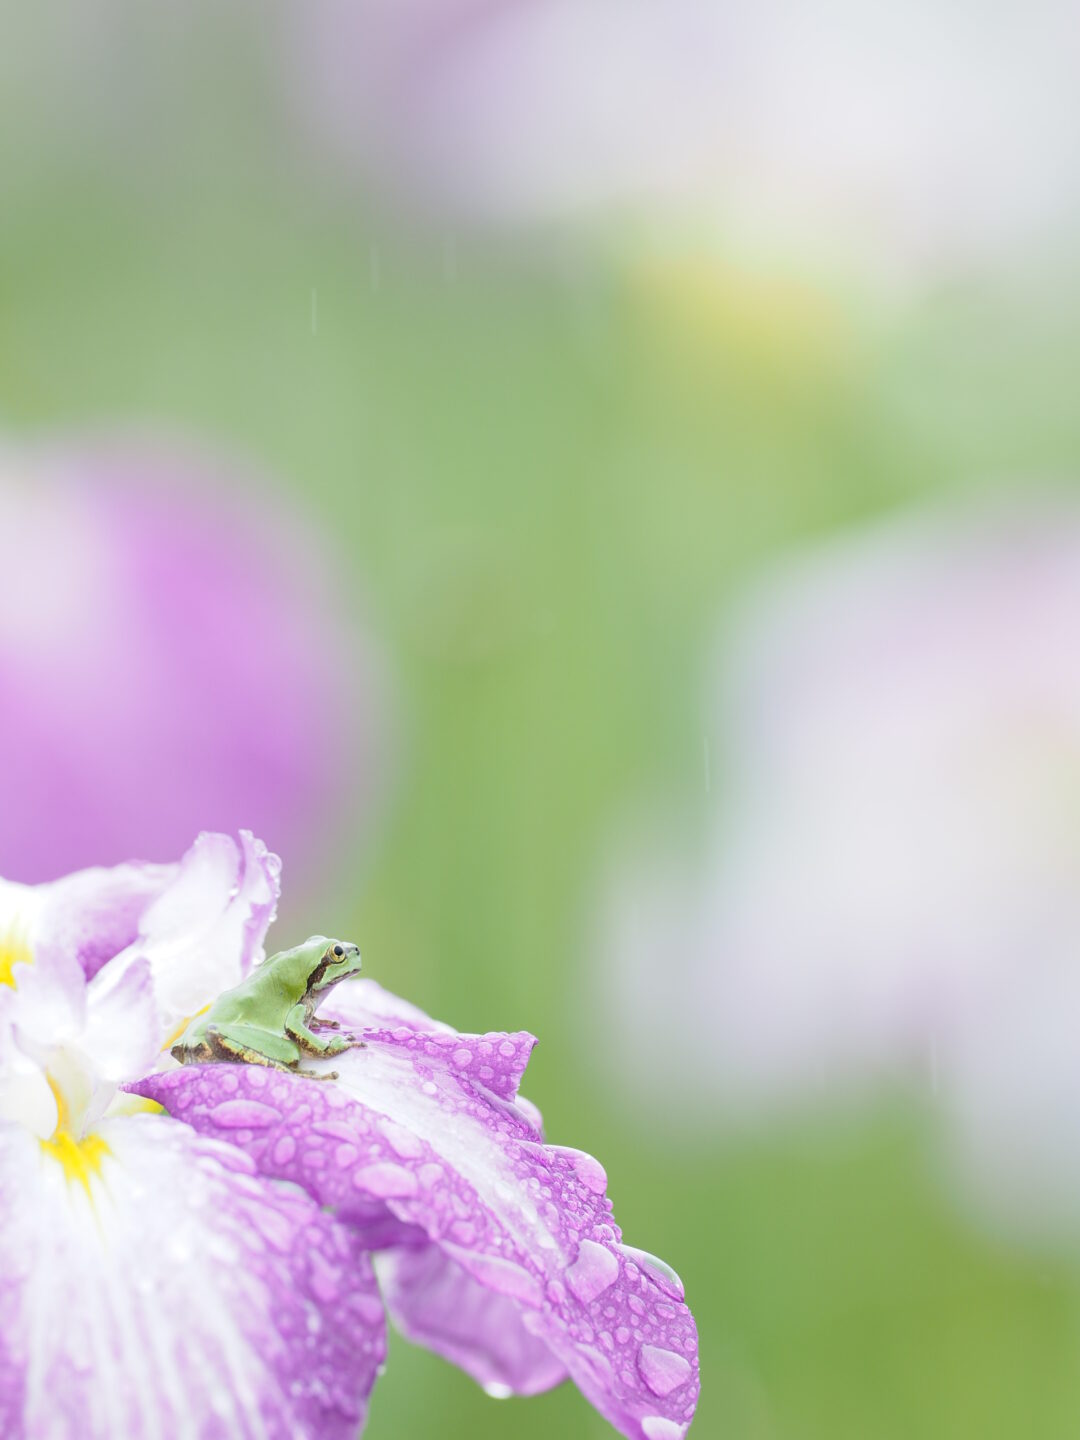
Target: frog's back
column 266, row 995
column 233, row 1004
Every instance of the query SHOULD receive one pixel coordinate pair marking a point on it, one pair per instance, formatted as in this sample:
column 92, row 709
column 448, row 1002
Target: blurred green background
column 543, row 474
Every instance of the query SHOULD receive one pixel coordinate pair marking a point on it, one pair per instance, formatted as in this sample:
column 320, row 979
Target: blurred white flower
column 892, row 889
column 901, row 135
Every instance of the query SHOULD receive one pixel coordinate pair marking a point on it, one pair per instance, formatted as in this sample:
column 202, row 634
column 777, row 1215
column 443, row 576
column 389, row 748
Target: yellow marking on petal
column 175, row 1035
column 14, row 950
column 135, row 1105
column 79, row 1157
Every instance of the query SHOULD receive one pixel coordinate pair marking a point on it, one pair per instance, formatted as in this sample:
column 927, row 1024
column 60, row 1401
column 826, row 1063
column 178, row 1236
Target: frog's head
column 333, row 961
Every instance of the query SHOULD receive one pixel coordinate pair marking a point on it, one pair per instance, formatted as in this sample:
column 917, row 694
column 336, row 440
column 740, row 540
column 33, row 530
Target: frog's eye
column 338, row 950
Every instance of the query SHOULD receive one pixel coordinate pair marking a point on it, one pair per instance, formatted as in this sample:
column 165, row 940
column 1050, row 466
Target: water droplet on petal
column 402, row 1141
column 244, row 1115
column 658, row 1427
column 656, row 1269
column 284, row 1150
column 592, row 1272
column 276, row 1229
column 386, row 1180
column 503, row 1276
column 662, row 1370
column 587, row 1168
column 325, row 1280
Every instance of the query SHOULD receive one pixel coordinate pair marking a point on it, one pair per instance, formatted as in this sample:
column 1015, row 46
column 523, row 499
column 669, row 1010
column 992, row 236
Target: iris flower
column 211, row 1250
column 781, row 133
column 147, row 583
column 892, row 891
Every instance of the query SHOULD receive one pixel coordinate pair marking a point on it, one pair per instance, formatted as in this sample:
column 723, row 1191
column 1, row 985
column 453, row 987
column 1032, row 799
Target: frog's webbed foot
column 319, row 1024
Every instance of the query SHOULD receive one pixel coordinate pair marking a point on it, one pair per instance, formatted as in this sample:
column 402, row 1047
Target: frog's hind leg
column 252, row 1046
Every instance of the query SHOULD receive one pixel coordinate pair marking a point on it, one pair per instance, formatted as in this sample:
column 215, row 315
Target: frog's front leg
column 253, row 1046
column 298, row 1029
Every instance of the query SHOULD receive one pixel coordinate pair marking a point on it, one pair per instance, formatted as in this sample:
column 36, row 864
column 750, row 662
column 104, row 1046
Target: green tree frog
column 269, row 1018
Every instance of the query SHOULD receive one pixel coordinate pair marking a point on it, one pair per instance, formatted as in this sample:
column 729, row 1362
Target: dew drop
column 284, row 1150
column 325, row 1284
column 657, row 1270
column 334, row 1130
column 402, row 1141
column 503, row 1276
column 386, row 1180
column 587, row 1168
column 244, row 1115
column 276, row 1229
column 662, row 1370
column 659, row 1427
column 594, row 1270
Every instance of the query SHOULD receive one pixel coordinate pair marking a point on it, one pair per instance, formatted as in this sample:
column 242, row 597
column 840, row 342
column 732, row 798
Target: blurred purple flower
column 893, row 883
column 902, row 137
column 172, row 653
column 160, row 1277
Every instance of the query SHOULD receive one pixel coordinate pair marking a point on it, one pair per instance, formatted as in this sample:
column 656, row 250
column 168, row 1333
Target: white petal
column 205, row 931
column 168, row 1292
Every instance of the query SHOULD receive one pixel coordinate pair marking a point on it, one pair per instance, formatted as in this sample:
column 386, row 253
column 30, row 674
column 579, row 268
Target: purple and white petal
column 26, row 1097
column 205, row 930
column 365, row 1005
column 199, row 924
column 93, row 915
column 121, row 1016
column 436, row 1303
column 415, row 1123
column 155, row 1286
